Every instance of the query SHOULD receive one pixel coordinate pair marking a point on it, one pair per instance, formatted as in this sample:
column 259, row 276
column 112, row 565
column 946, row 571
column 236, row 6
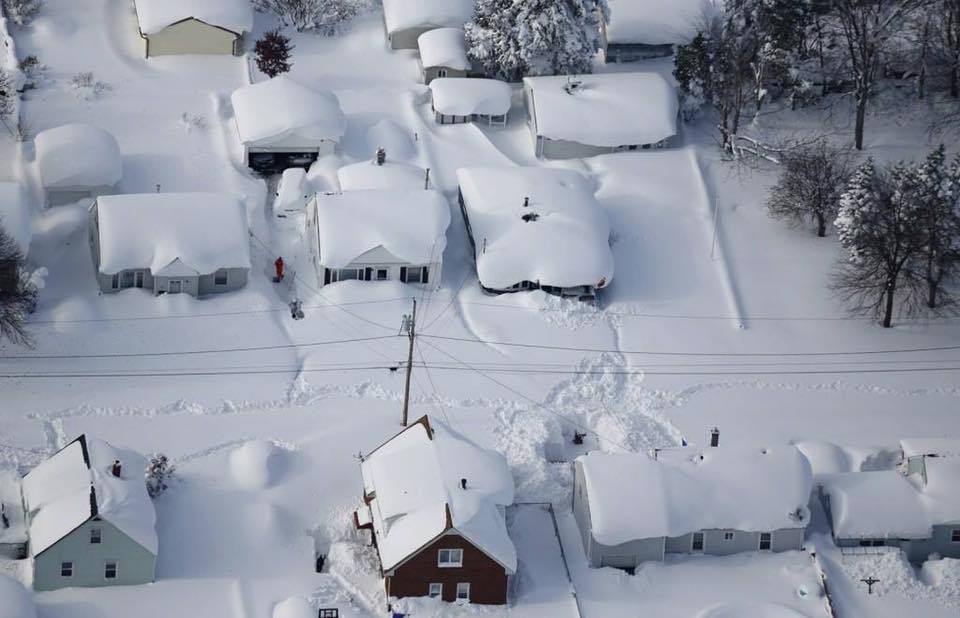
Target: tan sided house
column 170, row 27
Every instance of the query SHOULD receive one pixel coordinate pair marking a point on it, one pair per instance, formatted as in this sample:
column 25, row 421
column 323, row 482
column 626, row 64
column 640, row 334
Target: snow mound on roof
column 403, row 14
column 464, row 96
column 444, row 47
column 15, row 600
column 655, row 22
column 78, row 156
column 254, row 465
column 751, row 610
column 233, row 15
column 15, row 214
column 294, row 607
column 825, row 457
column 281, row 109
column 387, row 134
column 390, row 175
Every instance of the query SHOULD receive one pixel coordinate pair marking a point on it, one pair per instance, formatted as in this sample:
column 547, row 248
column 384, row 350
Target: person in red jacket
column 278, row 265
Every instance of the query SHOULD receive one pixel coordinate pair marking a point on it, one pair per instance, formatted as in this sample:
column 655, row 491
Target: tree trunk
column 932, row 287
column 888, row 309
column 955, row 79
column 861, row 119
column 821, row 225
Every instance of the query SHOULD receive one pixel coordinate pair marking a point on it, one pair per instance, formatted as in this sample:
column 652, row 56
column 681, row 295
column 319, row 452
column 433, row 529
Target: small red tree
column 273, row 53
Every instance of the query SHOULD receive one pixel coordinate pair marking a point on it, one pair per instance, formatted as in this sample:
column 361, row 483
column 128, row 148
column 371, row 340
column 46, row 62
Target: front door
column 175, row 287
column 138, row 281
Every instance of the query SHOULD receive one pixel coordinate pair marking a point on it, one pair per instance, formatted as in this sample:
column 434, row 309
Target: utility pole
column 410, row 326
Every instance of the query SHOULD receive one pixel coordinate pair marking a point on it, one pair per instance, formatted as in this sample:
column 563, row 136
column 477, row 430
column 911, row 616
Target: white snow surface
column 57, row 494
column 416, row 478
column 688, row 489
column 391, row 175
column 15, row 216
column 410, row 224
column 284, row 111
column 78, row 156
column 203, row 231
column 15, row 600
column 912, row 447
column 444, row 47
column 567, row 246
column 233, row 15
column 606, row 110
column 293, row 192
column 403, row 14
column 463, row 96
column 253, row 464
column 655, row 22
column 294, row 607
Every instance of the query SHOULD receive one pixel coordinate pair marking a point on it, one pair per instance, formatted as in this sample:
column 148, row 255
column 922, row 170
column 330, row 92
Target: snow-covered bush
column 326, row 17
column 21, row 12
column 159, row 474
column 87, row 87
column 193, row 122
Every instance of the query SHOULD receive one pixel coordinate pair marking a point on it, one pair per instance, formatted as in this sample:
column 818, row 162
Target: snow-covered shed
column 587, row 115
column 77, row 161
column 379, row 235
column 443, row 53
column 466, row 99
column 651, row 28
column 190, row 27
column 406, row 20
column 15, row 215
column 435, row 503
column 631, row 508
column 89, row 518
column 170, row 243
column 536, row 228
column 283, row 123
column 396, row 175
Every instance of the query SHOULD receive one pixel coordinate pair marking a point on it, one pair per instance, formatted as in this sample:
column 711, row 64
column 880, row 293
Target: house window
column 382, row 274
column 697, row 544
column 66, row 569
column 463, row 591
column 126, row 279
column 414, row 275
column 95, row 536
column 955, row 535
column 330, row 613
column 110, row 570
column 727, row 536
column 765, row 543
column 441, row 72
column 450, row 558
column 346, row 274
column 115, row 282
column 436, row 590
column 220, row 277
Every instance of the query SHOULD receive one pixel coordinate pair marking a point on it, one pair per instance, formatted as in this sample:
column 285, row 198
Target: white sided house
column 405, row 20
column 77, row 161
column 89, row 518
column 170, row 243
column 15, row 215
column 651, row 28
column 465, row 99
column 536, row 228
column 588, row 115
column 443, row 53
column 170, row 27
column 717, row 501
column 379, row 235
column 282, row 124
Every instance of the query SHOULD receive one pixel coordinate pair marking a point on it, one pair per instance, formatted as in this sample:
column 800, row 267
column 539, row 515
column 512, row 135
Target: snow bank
column 78, row 156
column 746, row 609
column 294, row 607
column 233, row 15
column 405, row 14
column 567, row 245
column 15, row 600
column 444, row 47
column 825, row 457
column 15, row 216
column 391, row 175
column 204, row 231
column 655, row 22
column 464, row 96
column 605, row 110
column 396, row 140
column 253, row 465
column 284, row 111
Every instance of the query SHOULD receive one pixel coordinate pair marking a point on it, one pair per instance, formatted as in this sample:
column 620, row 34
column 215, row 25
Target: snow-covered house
column 368, row 175
column 443, row 53
column 15, row 216
column 89, row 518
column 465, row 99
column 716, row 500
column 282, row 123
column 587, row 115
column 379, row 235
column 651, row 28
column 170, row 243
column 77, row 161
column 189, row 27
column 406, row 20
column 435, row 502
column 536, row 228
column 915, row 510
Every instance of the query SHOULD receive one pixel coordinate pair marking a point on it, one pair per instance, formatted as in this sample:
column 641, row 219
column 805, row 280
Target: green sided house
column 89, row 519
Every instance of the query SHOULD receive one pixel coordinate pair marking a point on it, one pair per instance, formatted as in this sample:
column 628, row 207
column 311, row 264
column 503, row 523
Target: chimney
column 714, row 437
column 463, row 483
column 116, row 468
column 381, row 156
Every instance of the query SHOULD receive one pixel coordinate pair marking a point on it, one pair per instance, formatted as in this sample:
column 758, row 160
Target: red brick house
column 434, row 503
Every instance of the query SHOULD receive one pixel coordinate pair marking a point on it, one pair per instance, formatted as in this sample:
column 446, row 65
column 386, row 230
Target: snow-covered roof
column 280, row 109
column 914, row 447
column 194, row 232
column 74, row 156
column 604, row 110
column 567, row 245
column 688, row 489
column 15, row 214
column 391, row 175
column 463, row 96
column 410, row 224
column 76, row 484
column 233, row 15
column 415, row 480
column 655, row 22
column 405, row 14
column 444, row 47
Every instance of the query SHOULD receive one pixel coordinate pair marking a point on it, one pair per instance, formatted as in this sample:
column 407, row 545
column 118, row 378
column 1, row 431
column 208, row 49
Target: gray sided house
column 75, row 537
column 404, row 21
column 208, row 27
column 631, row 509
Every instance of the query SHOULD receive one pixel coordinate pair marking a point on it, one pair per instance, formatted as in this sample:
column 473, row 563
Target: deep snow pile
column 294, row 607
column 255, row 464
column 655, row 22
column 15, row 600
column 77, row 156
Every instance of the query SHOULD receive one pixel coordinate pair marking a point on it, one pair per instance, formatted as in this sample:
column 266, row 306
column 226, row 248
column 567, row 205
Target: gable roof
column 78, row 155
column 75, row 484
column 414, row 482
column 403, row 14
column 233, row 15
column 655, row 22
column 272, row 111
column 687, row 489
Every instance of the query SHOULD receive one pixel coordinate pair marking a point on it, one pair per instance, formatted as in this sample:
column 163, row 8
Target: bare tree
column 18, row 297
column 810, row 185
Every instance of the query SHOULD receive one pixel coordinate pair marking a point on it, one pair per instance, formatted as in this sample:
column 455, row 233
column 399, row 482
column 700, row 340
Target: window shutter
column 326, row 276
column 403, row 274
column 425, row 278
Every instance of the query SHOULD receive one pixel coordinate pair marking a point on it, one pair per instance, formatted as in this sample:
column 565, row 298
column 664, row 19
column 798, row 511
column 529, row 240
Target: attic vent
column 573, row 85
column 530, row 216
